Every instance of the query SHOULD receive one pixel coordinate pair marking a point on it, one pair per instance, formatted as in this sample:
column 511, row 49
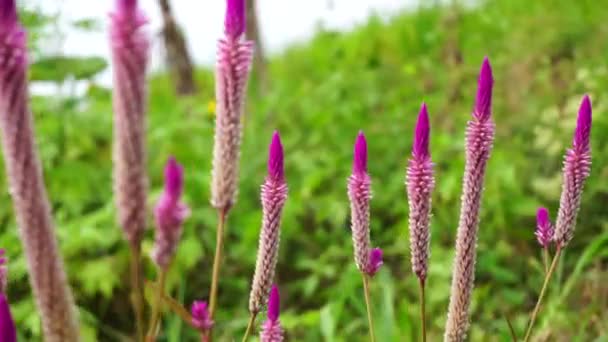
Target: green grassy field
column 545, row 56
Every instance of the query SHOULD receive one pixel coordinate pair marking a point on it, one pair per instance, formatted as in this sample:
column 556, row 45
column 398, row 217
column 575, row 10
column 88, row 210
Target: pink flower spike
column 274, row 303
column 8, row 14
column 483, row 101
column 544, row 228
column 375, row 261
column 8, row 332
column 583, row 126
column 200, row 315
column 360, row 155
column 421, row 136
column 275, row 159
column 235, row 21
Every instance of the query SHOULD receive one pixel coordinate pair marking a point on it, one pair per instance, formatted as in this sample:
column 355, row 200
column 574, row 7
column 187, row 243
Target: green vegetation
column 545, row 55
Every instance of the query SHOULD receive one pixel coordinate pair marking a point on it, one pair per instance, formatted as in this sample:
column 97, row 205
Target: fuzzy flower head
column 577, row 167
column 12, row 38
column 169, row 213
column 272, row 330
column 544, row 228
column 420, row 182
column 483, row 101
column 274, row 196
column 200, row 315
column 235, row 21
column 8, row 333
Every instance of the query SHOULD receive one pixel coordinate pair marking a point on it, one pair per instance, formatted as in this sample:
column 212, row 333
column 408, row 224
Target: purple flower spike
column 235, row 22
column 8, row 14
column 583, row 126
column 360, row 155
column 375, row 261
column 169, row 213
column 274, row 195
column 272, row 330
column 544, row 228
column 577, row 167
column 483, row 101
column 200, row 315
column 421, row 136
column 8, row 333
column 275, row 159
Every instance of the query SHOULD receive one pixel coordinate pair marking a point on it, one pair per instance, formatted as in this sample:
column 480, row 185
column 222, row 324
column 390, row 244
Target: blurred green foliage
column 545, row 55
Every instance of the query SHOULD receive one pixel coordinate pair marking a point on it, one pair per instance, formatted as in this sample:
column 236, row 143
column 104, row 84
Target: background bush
column 545, row 55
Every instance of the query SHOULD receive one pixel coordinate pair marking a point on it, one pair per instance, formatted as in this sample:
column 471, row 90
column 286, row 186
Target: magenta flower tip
column 360, row 155
column 542, row 217
column 8, row 14
column 275, row 158
column 421, row 136
column 274, row 304
column 375, row 261
column 544, row 228
column 583, row 126
column 200, row 315
column 234, row 24
column 483, row 101
column 8, row 332
column 174, row 178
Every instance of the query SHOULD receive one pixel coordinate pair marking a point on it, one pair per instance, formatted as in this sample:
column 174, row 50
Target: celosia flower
column 359, row 194
column 420, row 183
column 577, row 166
column 234, row 58
column 479, row 139
column 274, row 195
column 544, row 228
column 169, row 213
column 8, row 332
column 26, row 184
column 272, row 330
column 200, row 315
column 130, row 54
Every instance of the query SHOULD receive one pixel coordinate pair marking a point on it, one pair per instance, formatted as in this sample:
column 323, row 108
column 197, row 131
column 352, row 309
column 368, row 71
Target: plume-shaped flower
column 577, row 167
column 272, row 330
column 26, row 185
column 274, row 195
column 360, row 194
column 479, row 139
column 8, row 332
column 420, row 183
column 544, row 228
column 200, row 315
column 169, row 214
column 130, row 54
column 234, row 56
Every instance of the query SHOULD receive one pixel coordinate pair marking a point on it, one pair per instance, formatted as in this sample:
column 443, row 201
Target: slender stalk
column 217, row 262
column 546, row 259
column 250, row 326
column 137, row 293
column 422, row 309
column 511, row 330
column 368, row 303
column 156, row 308
column 542, row 294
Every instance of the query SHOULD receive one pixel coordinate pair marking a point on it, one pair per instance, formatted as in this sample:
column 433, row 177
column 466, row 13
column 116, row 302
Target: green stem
column 546, row 259
column 422, row 309
column 217, row 262
column 250, row 326
column 156, row 308
column 369, row 307
column 137, row 294
column 542, row 294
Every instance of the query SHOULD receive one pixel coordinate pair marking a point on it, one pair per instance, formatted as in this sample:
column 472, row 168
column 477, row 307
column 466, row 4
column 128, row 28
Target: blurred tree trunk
column 253, row 33
column 177, row 56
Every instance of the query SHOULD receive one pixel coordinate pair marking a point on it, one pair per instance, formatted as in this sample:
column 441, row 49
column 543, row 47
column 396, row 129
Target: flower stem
column 422, row 309
column 542, row 293
column 369, row 307
column 250, row 326
column 546, row 259
column 137, row 294
column 156, row 308
column 217, row 262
